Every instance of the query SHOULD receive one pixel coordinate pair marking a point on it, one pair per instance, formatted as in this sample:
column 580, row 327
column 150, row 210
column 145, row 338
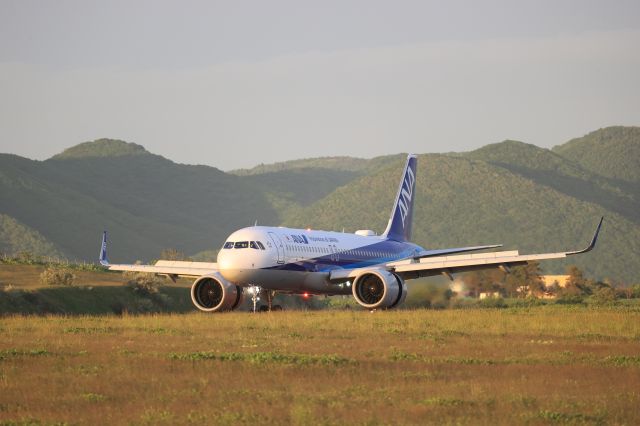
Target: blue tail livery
column 401, row 220
column 103, row 250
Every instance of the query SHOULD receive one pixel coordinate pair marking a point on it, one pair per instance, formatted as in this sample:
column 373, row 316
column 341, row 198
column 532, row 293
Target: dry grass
column 538, row 366
column 28, row 277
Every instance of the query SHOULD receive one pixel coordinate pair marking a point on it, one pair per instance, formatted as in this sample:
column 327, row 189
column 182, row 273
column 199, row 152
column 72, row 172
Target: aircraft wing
column 440, row 252
column 170, row 268
column 447, row 265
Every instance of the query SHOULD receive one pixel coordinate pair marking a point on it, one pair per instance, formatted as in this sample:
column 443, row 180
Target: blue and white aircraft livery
column 374, row 268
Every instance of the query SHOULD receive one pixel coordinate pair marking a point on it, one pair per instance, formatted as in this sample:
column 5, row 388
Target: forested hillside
column 145, row 201
column 612, row 152
column 514, row 193
column 548, row 168
column 467, row 202
column 18, row 238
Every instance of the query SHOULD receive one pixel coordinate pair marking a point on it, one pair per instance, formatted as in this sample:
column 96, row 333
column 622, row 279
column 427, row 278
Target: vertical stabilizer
column 399, row 227
column 103, row 250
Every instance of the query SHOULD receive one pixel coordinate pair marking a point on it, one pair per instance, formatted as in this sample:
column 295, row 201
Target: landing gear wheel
column 263, row 308
column 270, row 295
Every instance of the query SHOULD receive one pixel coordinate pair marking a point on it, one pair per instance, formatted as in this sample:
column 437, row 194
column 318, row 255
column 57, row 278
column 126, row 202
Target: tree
column 524, row 280
column 142, row 282
column 604, row 295
column 576, row 283
column 483, row 281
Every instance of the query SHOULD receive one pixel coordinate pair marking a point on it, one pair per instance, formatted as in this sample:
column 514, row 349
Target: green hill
column 513, row 193
column 547, row 168
column 347, row 164
column 462, row 201
column 333, row 163
column 101, row 148
column 16, row 237
column 613, row 152
column 146, row 202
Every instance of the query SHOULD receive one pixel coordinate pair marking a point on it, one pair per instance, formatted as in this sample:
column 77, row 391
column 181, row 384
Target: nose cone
column 241, row 263
column 225, row 259
column 237, row 266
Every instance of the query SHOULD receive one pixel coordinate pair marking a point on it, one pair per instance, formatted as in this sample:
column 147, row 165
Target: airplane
column 373, row 268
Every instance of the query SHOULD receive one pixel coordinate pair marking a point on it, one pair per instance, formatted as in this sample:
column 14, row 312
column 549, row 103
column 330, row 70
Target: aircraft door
column 279, row 246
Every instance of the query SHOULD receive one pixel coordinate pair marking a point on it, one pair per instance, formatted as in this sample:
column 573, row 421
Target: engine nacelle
column 379, row 289
column 212, row 293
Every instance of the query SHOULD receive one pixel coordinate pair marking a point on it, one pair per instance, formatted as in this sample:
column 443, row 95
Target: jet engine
column 212, row 293
column 379, row 289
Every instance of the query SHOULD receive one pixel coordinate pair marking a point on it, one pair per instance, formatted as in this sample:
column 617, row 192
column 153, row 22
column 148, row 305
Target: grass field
column 543, row 365
column 94, row 293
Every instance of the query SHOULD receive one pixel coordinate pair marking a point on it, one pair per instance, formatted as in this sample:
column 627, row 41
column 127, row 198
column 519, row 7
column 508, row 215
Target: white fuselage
column 298, row 260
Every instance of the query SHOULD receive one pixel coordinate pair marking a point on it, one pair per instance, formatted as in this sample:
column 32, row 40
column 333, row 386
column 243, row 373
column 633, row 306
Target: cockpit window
column 241, row 244
column 260, row 245
column 253, row 245
column 228, row 245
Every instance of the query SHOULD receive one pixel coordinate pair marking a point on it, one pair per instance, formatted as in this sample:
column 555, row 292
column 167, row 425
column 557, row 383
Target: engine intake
column 212, row 293
column 379, row 289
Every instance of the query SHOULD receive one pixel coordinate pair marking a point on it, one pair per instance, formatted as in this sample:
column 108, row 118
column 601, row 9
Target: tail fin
column 399, row 227
column 103, row 250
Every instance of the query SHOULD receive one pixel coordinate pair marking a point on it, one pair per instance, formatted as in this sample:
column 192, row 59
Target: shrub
column 567, row 299
column 142, row 283
column 493, row 302
column 603, row 296
column 527, row 302
column 57, row 276
column 26, row 257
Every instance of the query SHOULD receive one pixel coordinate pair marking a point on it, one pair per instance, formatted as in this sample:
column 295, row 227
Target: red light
column 305, row 295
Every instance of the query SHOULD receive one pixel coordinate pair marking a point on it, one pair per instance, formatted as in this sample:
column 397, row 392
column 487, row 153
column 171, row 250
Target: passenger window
column 241, row 244
column 253, row 245
column 228, row 245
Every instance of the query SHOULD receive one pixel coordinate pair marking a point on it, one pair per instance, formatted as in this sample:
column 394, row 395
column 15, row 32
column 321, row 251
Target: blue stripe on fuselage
column 349, row 259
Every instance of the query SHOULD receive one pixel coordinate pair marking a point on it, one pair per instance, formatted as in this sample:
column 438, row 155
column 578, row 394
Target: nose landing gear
column 255, row 292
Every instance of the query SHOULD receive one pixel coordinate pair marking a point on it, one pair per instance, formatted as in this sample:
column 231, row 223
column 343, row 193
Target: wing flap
column 440, row 252
column 183, row 264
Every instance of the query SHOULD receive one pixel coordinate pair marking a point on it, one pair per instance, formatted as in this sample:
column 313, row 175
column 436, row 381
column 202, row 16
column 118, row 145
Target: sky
column 238, row 83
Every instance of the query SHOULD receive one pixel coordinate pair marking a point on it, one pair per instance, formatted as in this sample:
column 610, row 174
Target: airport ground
column 95, row 362
column 539, row 365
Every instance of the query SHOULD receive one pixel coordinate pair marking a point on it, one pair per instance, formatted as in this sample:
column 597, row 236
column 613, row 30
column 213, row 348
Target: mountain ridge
column 510, row 192
column 103, row 147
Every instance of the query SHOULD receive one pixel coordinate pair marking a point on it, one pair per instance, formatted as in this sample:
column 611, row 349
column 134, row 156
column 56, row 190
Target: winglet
column 592, row 244
column 104, row 261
